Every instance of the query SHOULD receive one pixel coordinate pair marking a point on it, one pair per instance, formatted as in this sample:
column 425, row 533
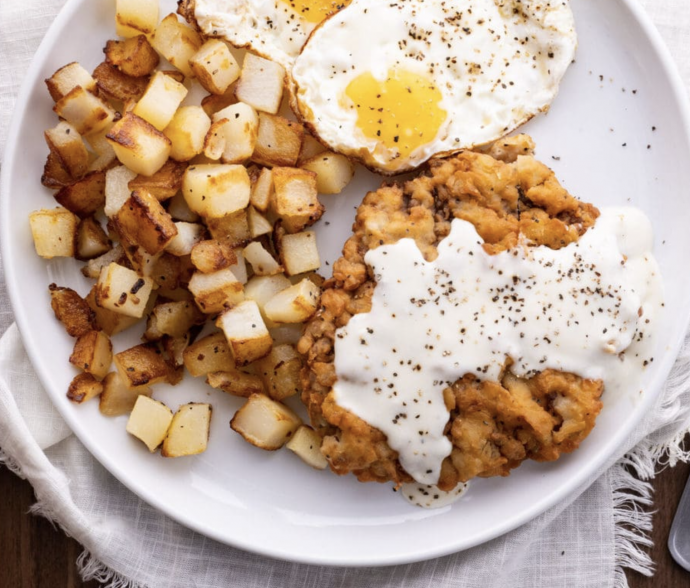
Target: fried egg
column 396, row 83
column 276, row 29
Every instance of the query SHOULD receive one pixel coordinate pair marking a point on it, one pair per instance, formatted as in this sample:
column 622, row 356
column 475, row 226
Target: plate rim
column 582, row 481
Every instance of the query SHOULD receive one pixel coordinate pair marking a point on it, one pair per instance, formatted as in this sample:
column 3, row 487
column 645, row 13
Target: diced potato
column 261, row 289
column 117, row 86
column 233, row 134
column 176, row 318
column 68, row 77
column 139, row 145
column 215, row 291
column 177, row 42
column 92, row 241
column 189, row 430
column 143, row 221
column 161, row 100
column 84, row 197
column 109, row 322
column 180, row 211
column 104, row 154
column 261, row 260
column 296, row 304
column 279, row 141
column 71, row 310
column 261, row 83
column 187, row 131
column 333, row 172
column 164, row 184
column 265, row 423
column 135, row 17
column 240, row 268
column 167, row 272
column 216, row 191
column 212, row 255
column 306, row 444
column 286, row 334
column 117, row 190
column 123, row 291
column 116, row 399
column 84, row 387
column 214, row 66
column 262, row 190
column 149, row 421
column 54, row 232
column 215, row 102
column 246, row 332
column 233, row 228
column 298, row 253
column 134, row 57
column 295, row 198
column 174, row 348
column 66, row 143
column 310, row 148
column 280, row 372
column 93, row 353
column 139, row 260
column 94, row 266
column 142, row 365
column 236, row 383
column 258, row 223
column 188, row 235
column 84, row 111
column 210, row 354
column 214, row 141
column 55, row 174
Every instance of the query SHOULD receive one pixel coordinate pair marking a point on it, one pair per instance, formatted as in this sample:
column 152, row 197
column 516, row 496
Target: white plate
column 596, row 137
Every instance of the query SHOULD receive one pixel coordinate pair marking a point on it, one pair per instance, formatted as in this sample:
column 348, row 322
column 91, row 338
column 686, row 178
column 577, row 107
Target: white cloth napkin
column 586, row 541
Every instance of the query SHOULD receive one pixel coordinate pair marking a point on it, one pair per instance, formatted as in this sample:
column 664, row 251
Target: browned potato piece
column 134, row 57
column 261, row 83
column 333, row 172
column 258, row 223
column 122, row 290
column 295, row 304
column 265, row 423
column 149, row 421
column 71, row 310
column 261, row 260
column 214, row 66
column 164, row 184
column 54, row 232
column 279, row 141
column 306, row 444
column 85, row 111
column 94, row 266
column 139, row 145
column 142, row 365
column 177, row 42
column 84, row 387
column 167, row 272
column 117, row 189
column 161, row 100
column 215, row 291
column 116, row 399
column 143, row 221
column 262, row 190
column 187, row 131
column 93, row 353
column 233, row 134
column 261, row 289
column 117, row 85
column 233, row 229
column 246, row 332
column 92, row 241
column 210, row 354
column 108, row 321
column 212, row 255
column 236, row 383
column 216, row 190
column 280, row 372
column 134, row 17
column 103, row 157
column 55, row 174
column 175, row 318
column 310, row 148
column 214, row 103
column 66, row 144
column 188, row 235
column 180, row 211
column 295, row 198
column 188, row 431
column 84, row 197
column 68, row 77
column 298, row 253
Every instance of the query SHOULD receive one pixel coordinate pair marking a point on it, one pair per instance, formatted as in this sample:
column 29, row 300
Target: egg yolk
column 316, row 10
column 402, row 112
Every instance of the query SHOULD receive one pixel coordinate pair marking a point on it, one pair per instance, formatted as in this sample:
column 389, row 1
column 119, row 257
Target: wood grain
column 36, row 555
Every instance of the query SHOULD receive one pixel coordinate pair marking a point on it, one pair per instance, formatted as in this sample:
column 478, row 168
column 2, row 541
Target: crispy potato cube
column 177, row 42
column 189, row 430
column 84, row 197
column 176, row 318
column 265, row 423
column 143, row 221
column 85, row 111
column 93, row 353
column 216, row 191
column 215, row 291
column 161, row 100
column 261, row 289
column 71, row 310
column 139, row 145
column 298, row 253
column 123, row 291
column 103, row 153
column 135, row 17
column 212, row 255
column 68, row 77
column 279, row 141
column 92, row 241
column 236, row 383
column 237, row 126
column 258, row 223
column 174, row 348
column 280, row 372
column 295, row 198
column 240, row 268
column 117, row 86
column 149, row 421
column 55, row 174
column 333, row 172
column 94, row 266
column 233, row 228
column 262, row 190
column 210, row 354
column 214, row 66
column 188, row 235
column 214, row 141
column 164, row 184
column 306, row 444
column 180, row 211
column 54, row 232
column 295, row 304
column 84, row 387
column 66, row 143
column 117, row 190
column 216, row 102
column 261, row 83
column 261, row 260
column 310, row 148
column 139, row 260
column 134, row 57
column 246, row 332
column 187, row 131
column 116, row 399
column 142, row 365
column 108, row 321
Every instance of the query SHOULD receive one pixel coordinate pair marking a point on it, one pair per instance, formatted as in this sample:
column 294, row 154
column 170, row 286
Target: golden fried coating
column 494, row 426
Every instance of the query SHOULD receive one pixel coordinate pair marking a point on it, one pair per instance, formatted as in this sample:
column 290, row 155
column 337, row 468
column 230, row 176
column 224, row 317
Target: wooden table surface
column 35, row 555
